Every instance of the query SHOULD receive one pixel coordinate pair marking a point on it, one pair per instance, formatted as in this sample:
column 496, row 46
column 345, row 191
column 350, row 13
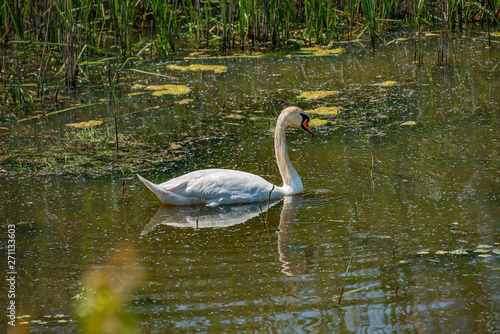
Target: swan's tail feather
column 165, row 196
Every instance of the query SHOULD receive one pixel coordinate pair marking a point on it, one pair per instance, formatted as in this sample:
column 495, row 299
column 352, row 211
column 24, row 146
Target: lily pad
column 84, row 125
column 317, row 122
column 325, row 111
column 168, row 89
column 385, row 83
column 319, row 94
column 409, row 123
column 326, row 52
column 481, row 250
column 199, row 67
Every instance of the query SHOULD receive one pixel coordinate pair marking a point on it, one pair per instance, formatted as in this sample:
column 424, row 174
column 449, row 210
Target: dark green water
column 387, row 195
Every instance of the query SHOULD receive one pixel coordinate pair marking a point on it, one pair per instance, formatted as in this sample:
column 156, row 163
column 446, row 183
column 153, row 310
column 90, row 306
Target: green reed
column 80, row 30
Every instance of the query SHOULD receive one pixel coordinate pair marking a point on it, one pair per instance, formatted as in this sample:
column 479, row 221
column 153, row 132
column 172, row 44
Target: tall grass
column 92, row 21
column 82, row 29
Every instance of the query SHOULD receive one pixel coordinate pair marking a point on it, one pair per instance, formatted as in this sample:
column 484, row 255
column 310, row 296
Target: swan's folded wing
column 220, row 186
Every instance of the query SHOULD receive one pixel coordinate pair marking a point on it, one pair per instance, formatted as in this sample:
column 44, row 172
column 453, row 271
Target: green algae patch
column 409, row 123
column 329, row 111
column 317, row 122
column 160, row 90
column 385, row 83
column 84, row 125
column 185, row 101
column 495, row 34
column 199, row 67
column 328, row 52
column 138, row 86
column 316, row 95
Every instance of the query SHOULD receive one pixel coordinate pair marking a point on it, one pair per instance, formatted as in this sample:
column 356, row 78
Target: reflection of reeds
column 345, row 279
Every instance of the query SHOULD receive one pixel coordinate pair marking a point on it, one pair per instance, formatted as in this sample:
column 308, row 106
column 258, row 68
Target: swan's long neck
column 291, row 179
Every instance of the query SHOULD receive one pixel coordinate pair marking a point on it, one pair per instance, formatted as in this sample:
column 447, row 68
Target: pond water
column 384, row 202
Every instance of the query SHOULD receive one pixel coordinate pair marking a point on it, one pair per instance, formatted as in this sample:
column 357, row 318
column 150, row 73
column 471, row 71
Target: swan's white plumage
column 227, row 186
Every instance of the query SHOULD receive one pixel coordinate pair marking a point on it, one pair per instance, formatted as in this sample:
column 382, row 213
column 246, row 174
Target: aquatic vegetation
column 159, row 90
column 316, row 95
column 199, row 67
column 317, row 122
column 386, row 83
column 409, row 123
column 327, row 52
column 84, row 125
column 325, row 111
column 91, row 151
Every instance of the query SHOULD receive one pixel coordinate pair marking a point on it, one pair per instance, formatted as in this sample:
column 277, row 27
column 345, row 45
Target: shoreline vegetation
column 83, row 30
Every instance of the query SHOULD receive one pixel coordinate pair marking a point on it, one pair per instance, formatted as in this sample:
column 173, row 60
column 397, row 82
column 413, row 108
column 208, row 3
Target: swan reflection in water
column 229, row 215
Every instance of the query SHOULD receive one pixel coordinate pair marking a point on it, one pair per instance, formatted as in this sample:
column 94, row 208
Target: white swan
column 225, row 186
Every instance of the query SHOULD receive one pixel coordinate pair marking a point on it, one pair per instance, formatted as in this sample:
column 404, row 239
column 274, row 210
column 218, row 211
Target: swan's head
column 297, row 116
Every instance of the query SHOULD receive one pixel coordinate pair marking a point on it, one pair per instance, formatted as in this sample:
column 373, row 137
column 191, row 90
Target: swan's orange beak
column 305, row 126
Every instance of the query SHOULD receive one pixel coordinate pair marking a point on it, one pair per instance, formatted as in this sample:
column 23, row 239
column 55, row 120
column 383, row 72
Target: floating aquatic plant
column 185, row 101
column 385, row 83
column 317, row 122
column 84, row 125
column 315, row 95
column 409, row 123
column 325, row 111
column 199, row 67
column 327, row 52
column 160, row 90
